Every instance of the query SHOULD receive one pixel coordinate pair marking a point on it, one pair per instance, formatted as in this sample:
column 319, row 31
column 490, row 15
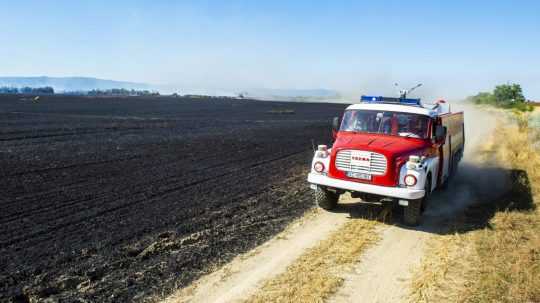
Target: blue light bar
column 410, row 101
column 381, row 99
column 371, row 98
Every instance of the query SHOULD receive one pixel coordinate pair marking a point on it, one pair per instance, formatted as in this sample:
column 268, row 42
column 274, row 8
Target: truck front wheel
column 413, row 212
column 326, row 199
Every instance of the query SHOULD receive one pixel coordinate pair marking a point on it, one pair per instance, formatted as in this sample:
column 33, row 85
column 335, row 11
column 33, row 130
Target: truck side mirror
column 440, row 134
column 335, row 127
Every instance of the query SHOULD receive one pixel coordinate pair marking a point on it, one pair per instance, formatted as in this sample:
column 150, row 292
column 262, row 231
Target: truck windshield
column 389, row 123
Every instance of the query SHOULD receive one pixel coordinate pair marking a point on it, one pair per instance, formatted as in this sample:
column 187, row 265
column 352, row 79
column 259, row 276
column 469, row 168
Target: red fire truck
column 389, row 150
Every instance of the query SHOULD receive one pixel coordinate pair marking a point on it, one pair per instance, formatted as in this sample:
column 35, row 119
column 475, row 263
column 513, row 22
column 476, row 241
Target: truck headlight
column 318, row 167
column 410, row 180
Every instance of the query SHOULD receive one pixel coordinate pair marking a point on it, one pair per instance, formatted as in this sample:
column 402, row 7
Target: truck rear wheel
column 455, row 165
column 326, row 199
column 453, row 171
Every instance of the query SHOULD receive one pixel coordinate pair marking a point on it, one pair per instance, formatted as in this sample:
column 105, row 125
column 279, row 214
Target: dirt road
column 242, row 277
column 382, row 272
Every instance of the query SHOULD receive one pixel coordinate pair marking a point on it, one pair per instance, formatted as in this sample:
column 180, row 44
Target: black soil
column 128, row 199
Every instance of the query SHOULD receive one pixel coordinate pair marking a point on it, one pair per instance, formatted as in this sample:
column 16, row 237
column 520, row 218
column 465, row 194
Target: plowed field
column 127, row 199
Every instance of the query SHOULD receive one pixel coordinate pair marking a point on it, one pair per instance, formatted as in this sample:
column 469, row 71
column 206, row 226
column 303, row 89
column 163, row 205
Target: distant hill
column 263, row 93
column 288, row 93
column 300, row 95
column 71, row 83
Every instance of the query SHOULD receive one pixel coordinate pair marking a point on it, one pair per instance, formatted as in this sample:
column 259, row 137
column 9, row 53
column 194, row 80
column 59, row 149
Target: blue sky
column 455, row 48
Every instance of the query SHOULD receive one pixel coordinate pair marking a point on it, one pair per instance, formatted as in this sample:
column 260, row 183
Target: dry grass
column 500, row 262
column 316, row 274
column 439, row 278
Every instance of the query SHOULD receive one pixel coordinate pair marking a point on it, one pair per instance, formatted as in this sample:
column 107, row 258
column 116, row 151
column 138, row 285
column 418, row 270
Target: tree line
column 46, row 90
column 95, row 92
column 121, row 92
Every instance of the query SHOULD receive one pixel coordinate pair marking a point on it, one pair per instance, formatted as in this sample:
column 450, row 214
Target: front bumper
column 395, row 192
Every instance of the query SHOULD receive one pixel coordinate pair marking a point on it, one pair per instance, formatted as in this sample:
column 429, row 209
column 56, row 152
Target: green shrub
column 508, row 96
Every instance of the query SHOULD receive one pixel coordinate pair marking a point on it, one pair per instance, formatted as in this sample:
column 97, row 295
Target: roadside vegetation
column 492, row 253
column 508, row 96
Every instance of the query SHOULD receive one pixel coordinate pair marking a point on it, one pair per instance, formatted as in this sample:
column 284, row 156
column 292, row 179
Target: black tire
column 455, row 165
column 325, row 199
column 413, row 212
column 427, row 193
column 453, row 172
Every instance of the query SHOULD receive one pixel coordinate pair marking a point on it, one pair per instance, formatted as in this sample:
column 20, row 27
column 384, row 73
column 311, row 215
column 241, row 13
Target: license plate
column 355, row 175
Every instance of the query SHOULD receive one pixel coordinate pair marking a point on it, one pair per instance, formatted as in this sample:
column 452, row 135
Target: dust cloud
column 480, row 178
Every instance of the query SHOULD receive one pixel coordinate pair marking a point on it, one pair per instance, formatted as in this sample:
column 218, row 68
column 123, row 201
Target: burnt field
column 127, row 199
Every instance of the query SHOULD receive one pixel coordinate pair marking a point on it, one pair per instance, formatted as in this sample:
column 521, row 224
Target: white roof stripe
column 394, row 108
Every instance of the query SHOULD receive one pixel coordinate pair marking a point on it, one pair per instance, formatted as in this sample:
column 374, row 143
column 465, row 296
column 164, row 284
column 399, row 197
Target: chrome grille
column 377, row 163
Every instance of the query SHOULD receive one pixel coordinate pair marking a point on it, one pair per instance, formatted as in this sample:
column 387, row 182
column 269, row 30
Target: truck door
column 446, row 151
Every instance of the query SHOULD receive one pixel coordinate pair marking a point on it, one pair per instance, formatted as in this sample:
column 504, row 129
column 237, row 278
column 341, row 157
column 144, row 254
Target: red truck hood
column 391, row 147
column 385, row 144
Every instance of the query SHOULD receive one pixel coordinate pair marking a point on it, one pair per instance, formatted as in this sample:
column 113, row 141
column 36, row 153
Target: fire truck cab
column 390, row 150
